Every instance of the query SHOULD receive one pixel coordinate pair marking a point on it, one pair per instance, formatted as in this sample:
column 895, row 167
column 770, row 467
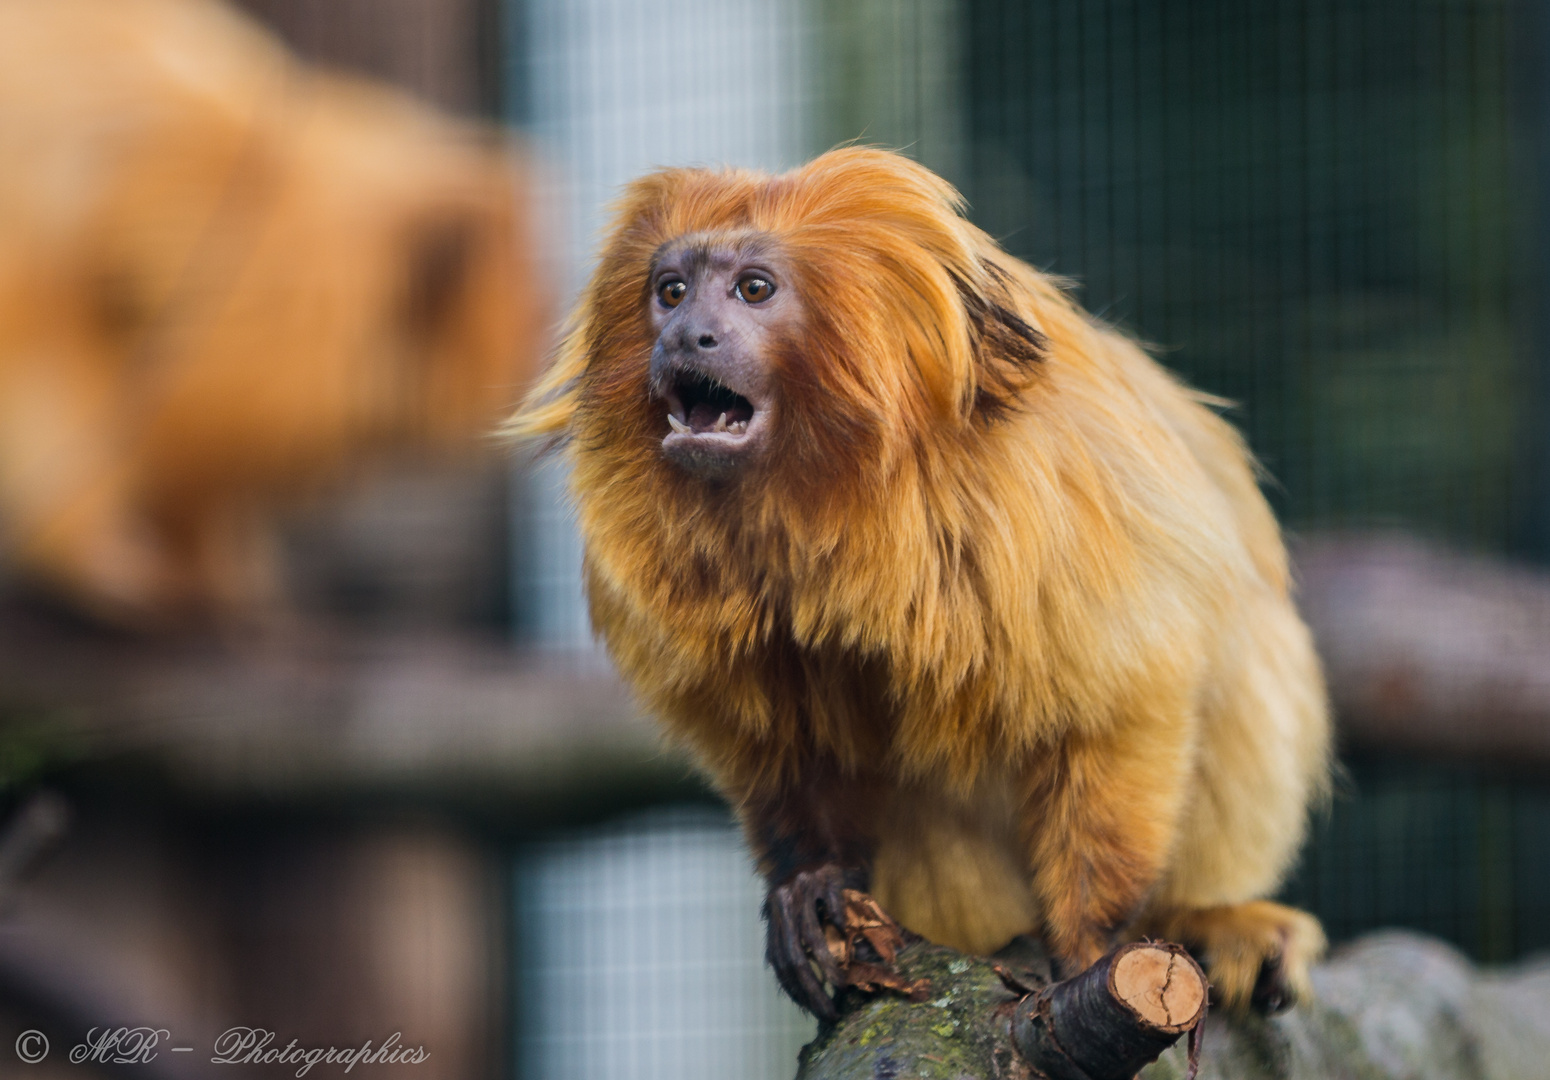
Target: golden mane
column 905, row 517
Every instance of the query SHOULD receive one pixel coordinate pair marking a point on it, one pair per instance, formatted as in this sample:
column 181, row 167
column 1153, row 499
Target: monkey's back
column 1264, row 738
column 1149, row 570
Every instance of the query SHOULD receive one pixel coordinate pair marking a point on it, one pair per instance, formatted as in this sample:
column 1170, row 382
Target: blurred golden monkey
column 223, row 277
column 957, row 595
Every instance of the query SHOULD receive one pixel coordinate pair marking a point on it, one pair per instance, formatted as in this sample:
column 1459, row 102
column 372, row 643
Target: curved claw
column 797, row 946
column 785, row 954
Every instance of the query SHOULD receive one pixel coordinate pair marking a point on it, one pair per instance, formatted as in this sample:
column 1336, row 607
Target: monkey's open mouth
column 710, row 425
column 698, row 404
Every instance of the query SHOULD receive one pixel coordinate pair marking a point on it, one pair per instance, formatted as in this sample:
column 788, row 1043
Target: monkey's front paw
column 801, row 915
column 821, row 931
column 1275, row 947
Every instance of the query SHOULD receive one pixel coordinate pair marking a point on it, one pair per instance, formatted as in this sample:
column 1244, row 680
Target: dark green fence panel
column 1309, row 206
column 1458, row 852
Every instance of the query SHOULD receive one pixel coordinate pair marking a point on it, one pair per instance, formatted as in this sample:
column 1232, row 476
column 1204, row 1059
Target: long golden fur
column 1001, row 614
column 223, row 276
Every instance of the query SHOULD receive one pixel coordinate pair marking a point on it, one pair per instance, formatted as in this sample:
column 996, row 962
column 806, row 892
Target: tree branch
column 1391, row 1005
column 1003, row 1018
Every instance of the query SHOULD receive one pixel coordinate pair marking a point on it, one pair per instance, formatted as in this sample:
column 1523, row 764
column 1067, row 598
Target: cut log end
column 1115, row 1017
column 1161, row 984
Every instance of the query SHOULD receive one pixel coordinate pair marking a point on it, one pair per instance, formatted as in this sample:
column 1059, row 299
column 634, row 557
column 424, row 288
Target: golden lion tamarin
column 957, row 595
column 223, row 276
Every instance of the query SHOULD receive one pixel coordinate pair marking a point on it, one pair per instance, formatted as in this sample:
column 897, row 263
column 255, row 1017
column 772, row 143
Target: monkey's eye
column 755, row 290
column 671, row 292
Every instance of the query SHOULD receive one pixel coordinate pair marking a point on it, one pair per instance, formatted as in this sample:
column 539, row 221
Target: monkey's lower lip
column 715, row 448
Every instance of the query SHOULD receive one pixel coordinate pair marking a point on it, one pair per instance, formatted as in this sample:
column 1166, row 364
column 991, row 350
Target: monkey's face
column 759, row 356
column 719, row 308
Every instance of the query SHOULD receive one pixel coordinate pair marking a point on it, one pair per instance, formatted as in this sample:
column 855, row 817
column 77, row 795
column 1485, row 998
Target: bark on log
column 1113, row 1018
column 1005, row 1018
column 1393, row 1006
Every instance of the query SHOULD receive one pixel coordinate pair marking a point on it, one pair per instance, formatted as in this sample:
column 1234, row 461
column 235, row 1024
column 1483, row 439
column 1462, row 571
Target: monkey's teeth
column 677, row 425
column 738, row 427
column 721, row 423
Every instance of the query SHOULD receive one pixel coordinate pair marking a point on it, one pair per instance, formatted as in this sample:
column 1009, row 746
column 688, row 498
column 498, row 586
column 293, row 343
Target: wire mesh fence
column 1312, row 207
column 642, row 957
column 1458, row 852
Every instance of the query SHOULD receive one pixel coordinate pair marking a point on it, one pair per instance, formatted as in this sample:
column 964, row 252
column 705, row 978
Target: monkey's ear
column 1006, row 348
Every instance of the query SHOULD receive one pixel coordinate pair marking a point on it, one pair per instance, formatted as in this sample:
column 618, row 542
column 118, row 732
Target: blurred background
column 301, row 723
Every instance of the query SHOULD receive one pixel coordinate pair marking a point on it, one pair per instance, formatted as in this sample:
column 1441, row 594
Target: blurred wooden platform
column 1428, row 652
column 330, row 711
